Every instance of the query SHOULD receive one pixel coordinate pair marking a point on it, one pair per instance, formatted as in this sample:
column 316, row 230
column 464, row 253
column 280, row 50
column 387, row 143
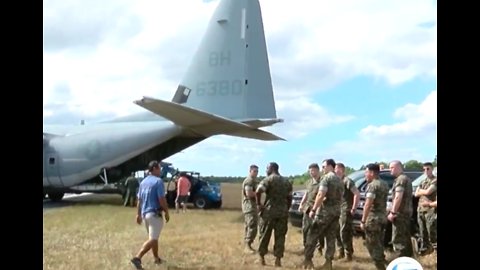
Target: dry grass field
column 99, row 233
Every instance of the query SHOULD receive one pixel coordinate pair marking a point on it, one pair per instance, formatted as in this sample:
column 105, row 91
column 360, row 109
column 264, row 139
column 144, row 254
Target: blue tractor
column 203, row 194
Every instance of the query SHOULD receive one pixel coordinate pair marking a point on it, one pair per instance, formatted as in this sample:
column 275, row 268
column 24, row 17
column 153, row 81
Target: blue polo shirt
column 150, row 191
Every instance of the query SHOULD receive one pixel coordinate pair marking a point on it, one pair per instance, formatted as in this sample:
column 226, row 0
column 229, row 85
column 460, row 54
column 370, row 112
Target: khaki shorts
column 154, row 225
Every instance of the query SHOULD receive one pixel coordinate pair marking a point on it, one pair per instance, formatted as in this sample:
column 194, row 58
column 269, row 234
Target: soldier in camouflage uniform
column 308, row 200
column 326, row 213
column 274, row 212
column 401, row 212
column 374, row 216
column 431, row 204
column 249, row 208
column 132, row 185
column 427, row 215
column 351, row 197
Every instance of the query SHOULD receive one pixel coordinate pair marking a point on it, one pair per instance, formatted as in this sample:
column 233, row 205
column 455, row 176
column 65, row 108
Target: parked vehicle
column 295, row 215
column 203, row 194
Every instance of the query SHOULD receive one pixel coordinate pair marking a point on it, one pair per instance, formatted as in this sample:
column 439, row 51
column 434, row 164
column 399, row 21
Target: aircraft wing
column 202, row 122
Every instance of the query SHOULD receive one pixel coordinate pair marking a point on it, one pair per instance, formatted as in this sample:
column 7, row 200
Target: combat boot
column 349, row 257
column 426, row 251
column 380, row 266
column 248, row 249
column 307, row 264
column 278, row 262
column 392, row 256
column 327, row 265
column 261, row 259
column 341, row 254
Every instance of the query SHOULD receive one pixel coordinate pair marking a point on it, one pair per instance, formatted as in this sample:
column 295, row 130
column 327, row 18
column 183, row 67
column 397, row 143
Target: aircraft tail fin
column 201, row 122
column 229, row 74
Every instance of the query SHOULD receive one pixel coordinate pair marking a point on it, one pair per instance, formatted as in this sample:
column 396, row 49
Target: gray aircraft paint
column 230, row 74
column 74, row 154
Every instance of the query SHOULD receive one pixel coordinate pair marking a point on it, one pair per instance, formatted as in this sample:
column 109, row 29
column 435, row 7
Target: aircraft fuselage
column 80, row 153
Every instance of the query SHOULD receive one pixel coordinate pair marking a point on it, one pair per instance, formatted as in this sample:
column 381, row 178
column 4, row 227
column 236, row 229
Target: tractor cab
column 203, row 194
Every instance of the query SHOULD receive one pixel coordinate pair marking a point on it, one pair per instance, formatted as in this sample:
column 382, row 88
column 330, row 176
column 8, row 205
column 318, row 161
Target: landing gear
column 104, row 176
column 55, row 196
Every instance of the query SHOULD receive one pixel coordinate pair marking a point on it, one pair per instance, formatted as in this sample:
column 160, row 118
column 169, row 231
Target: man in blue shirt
column 150, row 205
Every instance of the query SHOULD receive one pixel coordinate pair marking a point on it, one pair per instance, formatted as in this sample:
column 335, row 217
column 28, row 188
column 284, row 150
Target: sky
column 354, row 80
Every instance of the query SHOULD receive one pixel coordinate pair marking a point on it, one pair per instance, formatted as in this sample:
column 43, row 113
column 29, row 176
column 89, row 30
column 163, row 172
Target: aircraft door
column 52, row 169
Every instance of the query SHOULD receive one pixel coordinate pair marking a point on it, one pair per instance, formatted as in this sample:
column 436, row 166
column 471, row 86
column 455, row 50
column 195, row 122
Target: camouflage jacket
column 404, row 184
column 334, row 193
column 248, row 204
column 277, row 193
column 312, row 190
column 348, row 193
column 132, row 183
column 378, row 191
column 426, row 184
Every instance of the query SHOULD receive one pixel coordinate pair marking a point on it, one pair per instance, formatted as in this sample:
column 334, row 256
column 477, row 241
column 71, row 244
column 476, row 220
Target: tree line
column 302, row 178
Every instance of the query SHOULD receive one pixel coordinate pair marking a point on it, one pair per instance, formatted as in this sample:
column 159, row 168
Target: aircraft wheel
column 55, row 196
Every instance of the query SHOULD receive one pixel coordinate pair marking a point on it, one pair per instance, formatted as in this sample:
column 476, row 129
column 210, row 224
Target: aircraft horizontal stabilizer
column 202, row 122
column 262, row 123
column 257, row 134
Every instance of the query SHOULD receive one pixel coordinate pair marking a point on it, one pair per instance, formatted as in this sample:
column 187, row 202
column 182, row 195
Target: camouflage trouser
column 374, row 234
column 130, row 197
column 251, row 225
column 280, row 228
column 324, row 225
column 401, row 237
column 427, row 224
column 345, row 232
column 306, row 225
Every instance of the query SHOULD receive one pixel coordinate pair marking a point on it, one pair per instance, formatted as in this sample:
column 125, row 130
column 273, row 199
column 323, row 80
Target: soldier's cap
column 152, row 165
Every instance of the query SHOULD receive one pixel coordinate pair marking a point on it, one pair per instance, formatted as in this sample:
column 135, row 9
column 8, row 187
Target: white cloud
column 218, row 155
column 386, row 39
column 115, row 69
column 404, row 140
column 304, row 116
column 418, row 120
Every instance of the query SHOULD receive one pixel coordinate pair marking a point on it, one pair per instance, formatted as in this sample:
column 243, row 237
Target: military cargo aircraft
column 226, row 89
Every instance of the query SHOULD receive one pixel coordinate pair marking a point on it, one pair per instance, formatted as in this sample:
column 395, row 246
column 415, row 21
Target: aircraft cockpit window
column 51, row 161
